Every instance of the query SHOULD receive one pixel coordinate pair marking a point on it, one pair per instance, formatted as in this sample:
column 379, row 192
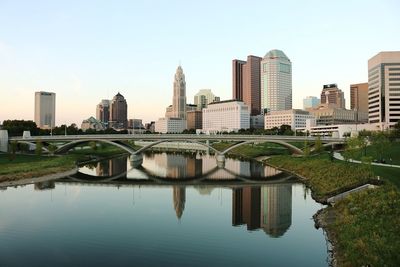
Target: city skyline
column 84, row 58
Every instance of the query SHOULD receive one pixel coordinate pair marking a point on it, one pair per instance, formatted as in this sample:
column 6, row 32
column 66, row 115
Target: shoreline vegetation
column 24, row 166
column 363, row 228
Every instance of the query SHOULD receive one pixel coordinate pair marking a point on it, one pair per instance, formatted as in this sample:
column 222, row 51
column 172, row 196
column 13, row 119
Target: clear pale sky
column 85, row 51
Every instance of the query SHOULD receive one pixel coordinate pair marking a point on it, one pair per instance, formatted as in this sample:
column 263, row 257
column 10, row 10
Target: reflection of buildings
column 45, row 185
column 268, row 207
column 111, row 167
column 246, row 207
column 276, row 209
column 179, row 198
column 178, row 166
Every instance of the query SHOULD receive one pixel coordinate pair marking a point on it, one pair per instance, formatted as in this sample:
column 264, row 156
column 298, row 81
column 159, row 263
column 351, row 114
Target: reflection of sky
column 107, row 225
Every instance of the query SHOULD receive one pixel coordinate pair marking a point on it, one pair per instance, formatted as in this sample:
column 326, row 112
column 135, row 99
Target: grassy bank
column 365, row 226
column 27, row 166
column 326, row 178
column 252, row 150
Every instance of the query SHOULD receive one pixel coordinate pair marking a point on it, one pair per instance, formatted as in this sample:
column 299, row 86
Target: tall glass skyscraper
column 276, row 82
column 45, row 109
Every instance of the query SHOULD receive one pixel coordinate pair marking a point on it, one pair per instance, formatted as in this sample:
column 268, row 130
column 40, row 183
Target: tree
column 93, row 145
column 318, row 145
column 351, row 149
column 13, row 150
column 381, row 144
column 39, row 147
column 52, row 148
column 17, row 127
column 306, row 149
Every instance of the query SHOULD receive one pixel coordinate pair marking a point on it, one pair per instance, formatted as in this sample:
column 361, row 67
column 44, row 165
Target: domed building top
column 275, row 53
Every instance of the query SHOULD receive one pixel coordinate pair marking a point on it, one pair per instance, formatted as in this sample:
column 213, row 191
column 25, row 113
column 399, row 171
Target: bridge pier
column 3, row 140
column 220, row 160
column 136, row 160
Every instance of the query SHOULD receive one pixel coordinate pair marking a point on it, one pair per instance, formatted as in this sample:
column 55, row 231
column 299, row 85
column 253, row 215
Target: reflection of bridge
column 121, row 179
column 118, row 140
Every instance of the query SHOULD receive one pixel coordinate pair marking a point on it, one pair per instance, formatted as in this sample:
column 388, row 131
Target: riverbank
column 364, row 227
column 27, row 166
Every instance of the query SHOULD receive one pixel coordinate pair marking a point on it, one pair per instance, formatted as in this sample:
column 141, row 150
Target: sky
column 86, row 51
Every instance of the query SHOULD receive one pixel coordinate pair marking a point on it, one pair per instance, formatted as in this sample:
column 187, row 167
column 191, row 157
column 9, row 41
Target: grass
column 34, row 166
column 366, row 225
column 252, row 150
column 28, row 166
column 367, row 228
column 325, row 177
column 392, row 152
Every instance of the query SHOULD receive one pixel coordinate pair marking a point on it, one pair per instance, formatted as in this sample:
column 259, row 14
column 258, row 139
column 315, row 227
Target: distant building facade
column 118, row 112
column 170, row 125
column 93, row 124
column 257, row 121
column 328, row 114
column 194, row 119
column 311, row 102
column 332, row 95
column 276, row 82
column 103, row 111
column 246, row 84
column 45, row 109
column 384, row 88
column 204, row 97
column 229, row 115
column 135, row 124
column 295, row 118
column 359, row 97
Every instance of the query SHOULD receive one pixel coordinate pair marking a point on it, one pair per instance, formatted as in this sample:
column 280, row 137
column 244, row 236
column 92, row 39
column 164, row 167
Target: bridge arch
column 68, row 146
column 292, row 148
column 44, row 148
column 175, row 140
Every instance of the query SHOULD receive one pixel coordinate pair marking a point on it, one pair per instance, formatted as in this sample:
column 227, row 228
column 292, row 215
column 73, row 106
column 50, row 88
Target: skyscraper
column 333, row 96
column 179, row 98
column 311, row 102
column 118, row 112
column 237, row 79
column 276, row 82
column 359, row 97
column 45, row 109
column 203, row 98
column 103, row 111
column 384, row 88
column 246, row 85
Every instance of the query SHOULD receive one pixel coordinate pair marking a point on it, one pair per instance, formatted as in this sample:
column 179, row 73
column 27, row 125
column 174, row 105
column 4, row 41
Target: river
column 174, row 210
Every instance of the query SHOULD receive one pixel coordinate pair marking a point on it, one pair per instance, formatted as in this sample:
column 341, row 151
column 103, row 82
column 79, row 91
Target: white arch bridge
column 117, row 140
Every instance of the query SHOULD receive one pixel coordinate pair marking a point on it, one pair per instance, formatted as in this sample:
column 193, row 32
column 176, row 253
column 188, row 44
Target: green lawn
column 252, row 150
column 392, row 152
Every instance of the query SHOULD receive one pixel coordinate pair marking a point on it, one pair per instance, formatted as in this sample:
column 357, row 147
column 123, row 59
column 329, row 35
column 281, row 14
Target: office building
column 328, row 114
column 229, row 115
column 384, row 89
column 179, row 97
column 276, row 82
column 135, row 124
column 257, row 121
column 359, row 97
column 246, row 85
column 332, row 96
column 194, row 119
column 311, row 102
column 103, row 111
column 204, row 97
column 295, row 118
column 118, row 113
column 93, row 124
column 45, row 110
column 170, row 125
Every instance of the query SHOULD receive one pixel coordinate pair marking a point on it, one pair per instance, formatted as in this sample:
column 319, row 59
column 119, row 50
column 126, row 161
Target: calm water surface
column 109, row 214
